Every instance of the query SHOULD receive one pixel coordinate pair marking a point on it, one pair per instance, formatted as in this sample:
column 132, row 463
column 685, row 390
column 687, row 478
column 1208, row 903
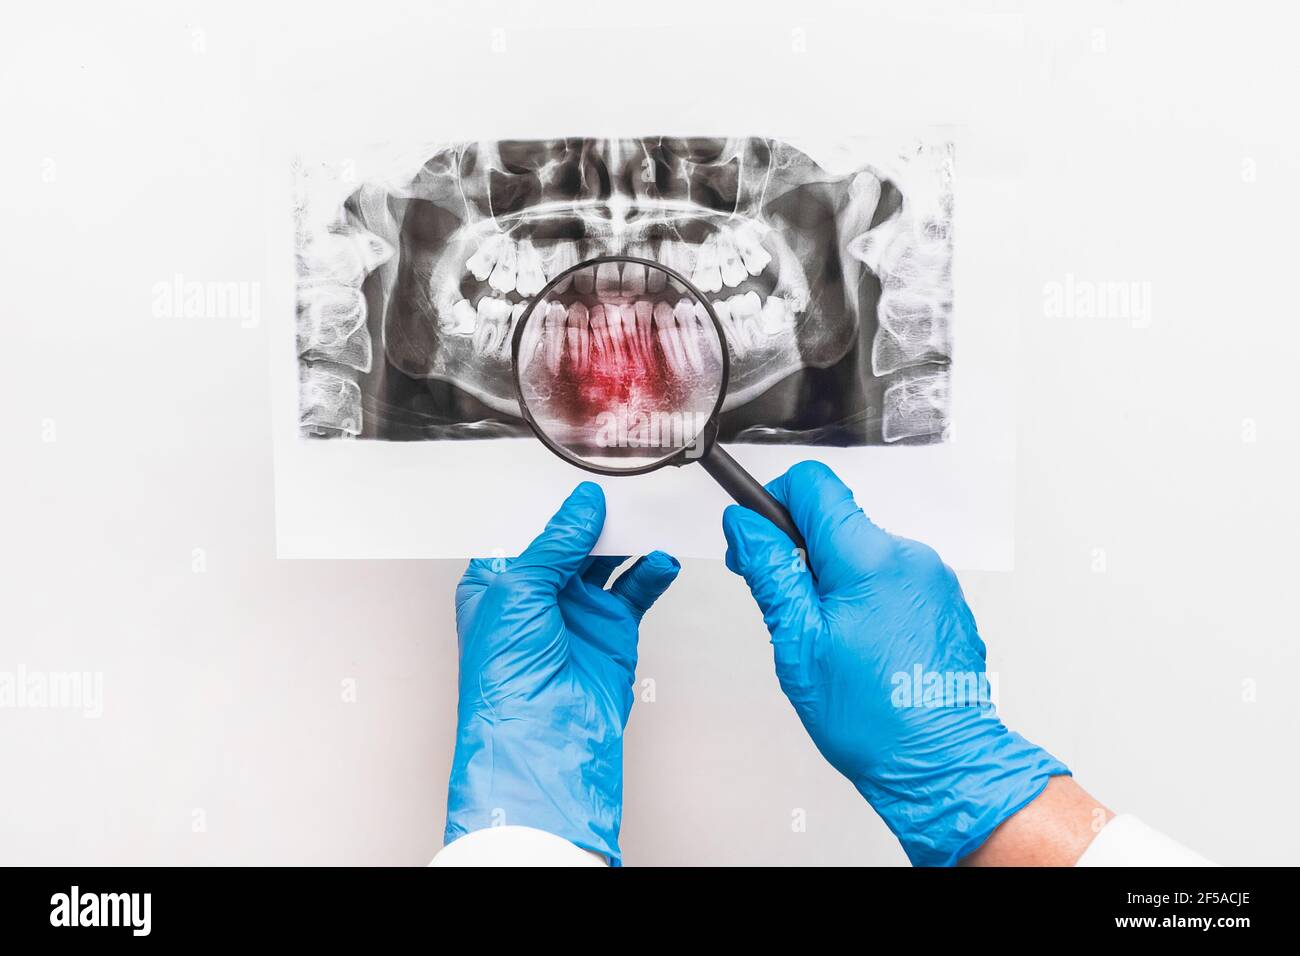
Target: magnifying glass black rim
column 676, row 458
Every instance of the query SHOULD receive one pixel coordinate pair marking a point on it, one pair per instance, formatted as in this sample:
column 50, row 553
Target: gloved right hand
column 883, row 618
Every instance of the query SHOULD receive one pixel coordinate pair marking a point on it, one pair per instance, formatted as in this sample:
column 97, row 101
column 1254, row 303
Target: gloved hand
column 547, row 661
column 883, row 616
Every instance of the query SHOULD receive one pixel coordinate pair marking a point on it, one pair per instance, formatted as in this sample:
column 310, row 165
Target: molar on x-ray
column 834, row 288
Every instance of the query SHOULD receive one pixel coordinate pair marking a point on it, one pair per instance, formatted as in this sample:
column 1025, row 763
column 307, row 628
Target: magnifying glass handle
column 742, row 486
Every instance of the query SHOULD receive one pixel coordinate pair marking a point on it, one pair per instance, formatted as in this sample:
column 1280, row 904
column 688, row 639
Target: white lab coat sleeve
column 514, row 846
column 1127, row 841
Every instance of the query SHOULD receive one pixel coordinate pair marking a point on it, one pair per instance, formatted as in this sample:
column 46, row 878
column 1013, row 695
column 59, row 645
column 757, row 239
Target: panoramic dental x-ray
column 834, row 290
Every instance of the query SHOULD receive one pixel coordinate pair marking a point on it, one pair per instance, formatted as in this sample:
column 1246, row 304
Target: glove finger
column 840, row 538
column 759, row 552
column 564, row 545
column 642, row 584
column 479, row 573
column 598, row 569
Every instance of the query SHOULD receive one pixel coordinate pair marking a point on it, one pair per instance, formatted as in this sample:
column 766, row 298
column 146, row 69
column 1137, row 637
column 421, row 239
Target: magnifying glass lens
column 620, row 377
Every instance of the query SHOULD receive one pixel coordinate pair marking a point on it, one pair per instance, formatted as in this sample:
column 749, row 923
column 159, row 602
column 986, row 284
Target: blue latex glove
column 942, row 770
column 547, row 663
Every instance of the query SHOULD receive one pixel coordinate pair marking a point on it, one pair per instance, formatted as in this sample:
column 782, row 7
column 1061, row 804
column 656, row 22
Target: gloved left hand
column 547, row 663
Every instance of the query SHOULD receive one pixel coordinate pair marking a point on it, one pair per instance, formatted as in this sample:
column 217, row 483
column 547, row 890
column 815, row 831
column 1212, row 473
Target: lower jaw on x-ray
column 834, row 289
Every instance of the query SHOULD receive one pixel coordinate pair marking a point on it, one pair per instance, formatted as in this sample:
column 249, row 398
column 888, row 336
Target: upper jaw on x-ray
column 834, row 291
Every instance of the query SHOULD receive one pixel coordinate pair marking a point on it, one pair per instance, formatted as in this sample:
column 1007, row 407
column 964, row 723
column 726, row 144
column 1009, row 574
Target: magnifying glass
column 621, row 367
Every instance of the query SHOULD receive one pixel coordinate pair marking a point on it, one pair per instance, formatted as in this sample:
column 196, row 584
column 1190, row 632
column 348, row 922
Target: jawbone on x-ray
column 834, row 289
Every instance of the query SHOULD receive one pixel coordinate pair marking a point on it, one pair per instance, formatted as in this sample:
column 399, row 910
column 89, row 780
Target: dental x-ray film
column 861, row 283
column 833, row 288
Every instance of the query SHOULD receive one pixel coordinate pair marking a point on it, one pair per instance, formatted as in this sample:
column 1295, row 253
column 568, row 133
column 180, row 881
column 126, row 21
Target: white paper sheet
column 378, row 499
column 455, row 499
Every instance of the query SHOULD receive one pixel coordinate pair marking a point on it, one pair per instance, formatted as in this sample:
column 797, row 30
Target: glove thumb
column 559, row 552
column 762, row 554
column 642, row 584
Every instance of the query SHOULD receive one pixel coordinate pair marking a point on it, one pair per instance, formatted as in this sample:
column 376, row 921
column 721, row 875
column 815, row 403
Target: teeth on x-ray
column 560, row 257
column 625, row 333
column 688, row 333
column 607, row 279
column 655, row 279
column 806, row 269
column 579, row 337
column 750, row 248
column 506, row 269
column 633, row 279
column 464, row 317
column 703, row 321
column 731, row 270
column 735, row 342
column 678, row 256
column 522, row 267
column 556, row 334
column 484, row 259
column 742, row 321
column 707, row 276
column 529, row 277
column 493, row 322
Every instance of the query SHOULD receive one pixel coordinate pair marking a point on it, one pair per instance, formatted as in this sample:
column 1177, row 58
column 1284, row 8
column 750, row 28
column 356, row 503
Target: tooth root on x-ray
column 735, row 342
column 730, row 266
column 785, row 251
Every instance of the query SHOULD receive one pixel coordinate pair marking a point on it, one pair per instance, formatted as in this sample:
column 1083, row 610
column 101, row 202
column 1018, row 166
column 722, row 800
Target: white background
column 1153, row 143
